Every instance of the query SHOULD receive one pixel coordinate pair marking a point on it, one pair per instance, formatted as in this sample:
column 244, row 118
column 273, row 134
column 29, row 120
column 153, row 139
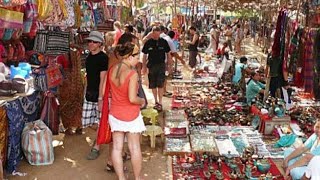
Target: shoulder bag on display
column 37, row 143
column 53, row 75
column 58, row 42
column 50, row 112
column 11, row 19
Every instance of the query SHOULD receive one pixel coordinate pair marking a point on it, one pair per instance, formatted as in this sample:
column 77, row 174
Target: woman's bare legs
column 135, row 151
column 118, row 138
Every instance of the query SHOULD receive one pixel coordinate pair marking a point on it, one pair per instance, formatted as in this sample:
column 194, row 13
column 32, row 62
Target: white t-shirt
column 169, row 41
column 313, row 168
column 213, row 33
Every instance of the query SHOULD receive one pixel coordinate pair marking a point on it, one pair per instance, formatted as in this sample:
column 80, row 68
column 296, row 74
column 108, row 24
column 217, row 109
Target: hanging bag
column 58, row 41
column 11, row 19
column 50, row 112
column 53, row 74
column 37, row 143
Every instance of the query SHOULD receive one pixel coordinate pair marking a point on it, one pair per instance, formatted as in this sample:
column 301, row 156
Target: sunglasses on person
column 95, row 42
column 135, row 54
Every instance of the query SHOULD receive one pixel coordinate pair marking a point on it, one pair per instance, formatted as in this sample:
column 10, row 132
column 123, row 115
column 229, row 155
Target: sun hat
column 95, row 36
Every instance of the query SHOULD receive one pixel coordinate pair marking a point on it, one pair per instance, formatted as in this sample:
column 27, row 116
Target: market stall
column 42, row 49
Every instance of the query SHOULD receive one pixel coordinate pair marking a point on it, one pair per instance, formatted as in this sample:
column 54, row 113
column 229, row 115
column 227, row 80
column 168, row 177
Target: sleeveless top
column 194, row 47
column 120, row 106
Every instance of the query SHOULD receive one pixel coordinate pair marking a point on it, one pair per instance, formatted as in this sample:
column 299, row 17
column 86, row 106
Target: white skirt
column 135, row 126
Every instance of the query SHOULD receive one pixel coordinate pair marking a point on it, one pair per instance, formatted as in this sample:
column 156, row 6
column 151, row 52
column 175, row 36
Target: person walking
column 213, row 40
column 156, row 50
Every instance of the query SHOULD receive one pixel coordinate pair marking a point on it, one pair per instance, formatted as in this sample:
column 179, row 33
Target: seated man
column 296, row 160
column 223, row 51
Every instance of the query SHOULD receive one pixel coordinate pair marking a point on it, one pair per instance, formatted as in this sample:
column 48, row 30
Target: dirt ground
column 71, row 150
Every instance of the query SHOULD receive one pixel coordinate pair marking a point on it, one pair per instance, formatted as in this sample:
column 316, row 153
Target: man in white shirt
column 173, row 53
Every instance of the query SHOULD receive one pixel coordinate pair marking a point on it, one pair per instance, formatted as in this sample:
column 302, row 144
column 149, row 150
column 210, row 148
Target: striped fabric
column 37, row 143
column 309, row 60
column 58, row 42
column 11, row 19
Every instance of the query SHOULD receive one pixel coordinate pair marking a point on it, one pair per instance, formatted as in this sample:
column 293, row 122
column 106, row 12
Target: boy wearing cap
column 96, row 67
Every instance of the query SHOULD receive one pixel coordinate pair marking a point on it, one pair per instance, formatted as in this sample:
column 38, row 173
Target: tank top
column 194, row 47
column 120, row 106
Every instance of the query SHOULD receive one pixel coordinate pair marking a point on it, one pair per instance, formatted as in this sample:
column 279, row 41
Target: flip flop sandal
column 110, row 168
column 159, row 107
column 126, row 157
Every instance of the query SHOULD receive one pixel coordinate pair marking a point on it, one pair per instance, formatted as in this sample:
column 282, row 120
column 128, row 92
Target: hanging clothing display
column 309, row 60
column 3, row 134
column 71, row 103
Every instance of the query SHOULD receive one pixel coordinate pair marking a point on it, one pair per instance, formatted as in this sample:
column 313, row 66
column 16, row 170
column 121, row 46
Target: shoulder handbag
column 54, row 76
column 104, row 131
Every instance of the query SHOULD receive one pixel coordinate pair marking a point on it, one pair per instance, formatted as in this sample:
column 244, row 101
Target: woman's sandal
column 126, row 157
column 110, row 168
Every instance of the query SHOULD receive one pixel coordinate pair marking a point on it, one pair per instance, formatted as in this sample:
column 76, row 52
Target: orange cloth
column 121, row 107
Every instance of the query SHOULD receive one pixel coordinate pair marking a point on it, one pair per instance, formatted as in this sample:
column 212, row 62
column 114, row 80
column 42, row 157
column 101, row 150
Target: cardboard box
column 276, row 121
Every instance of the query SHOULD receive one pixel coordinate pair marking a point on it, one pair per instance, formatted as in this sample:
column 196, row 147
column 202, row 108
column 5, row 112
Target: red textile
column 226, row 170
column 104, row 131
column 263, row 117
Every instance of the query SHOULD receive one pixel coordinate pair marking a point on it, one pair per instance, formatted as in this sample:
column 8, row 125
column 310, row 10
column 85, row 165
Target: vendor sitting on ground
column 296, row 160
column 223, row 51
column 242, row 65
column 254, row 87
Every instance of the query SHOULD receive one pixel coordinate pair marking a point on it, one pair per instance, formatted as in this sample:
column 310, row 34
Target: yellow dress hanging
column 45, row 8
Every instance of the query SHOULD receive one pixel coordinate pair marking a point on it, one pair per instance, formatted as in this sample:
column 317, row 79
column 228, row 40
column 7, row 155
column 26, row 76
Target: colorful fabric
column 11, row 19
column 3, row 134
column 50, row 112
column 309, row 60
column 71, row 103
column 19, row 111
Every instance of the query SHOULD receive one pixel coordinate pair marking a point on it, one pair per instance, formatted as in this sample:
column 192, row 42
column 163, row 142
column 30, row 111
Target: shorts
column 156, row 75
column 134, row 126
column 193, row 58
column 90, row 113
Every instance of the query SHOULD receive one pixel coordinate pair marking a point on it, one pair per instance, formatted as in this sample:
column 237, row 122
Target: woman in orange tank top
column 124, row 112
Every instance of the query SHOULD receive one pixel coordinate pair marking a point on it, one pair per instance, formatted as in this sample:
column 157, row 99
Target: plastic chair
column 152, row 130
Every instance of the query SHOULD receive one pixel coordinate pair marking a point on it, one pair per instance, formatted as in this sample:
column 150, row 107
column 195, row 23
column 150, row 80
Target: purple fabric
column 277, row 36
column 309, row 60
